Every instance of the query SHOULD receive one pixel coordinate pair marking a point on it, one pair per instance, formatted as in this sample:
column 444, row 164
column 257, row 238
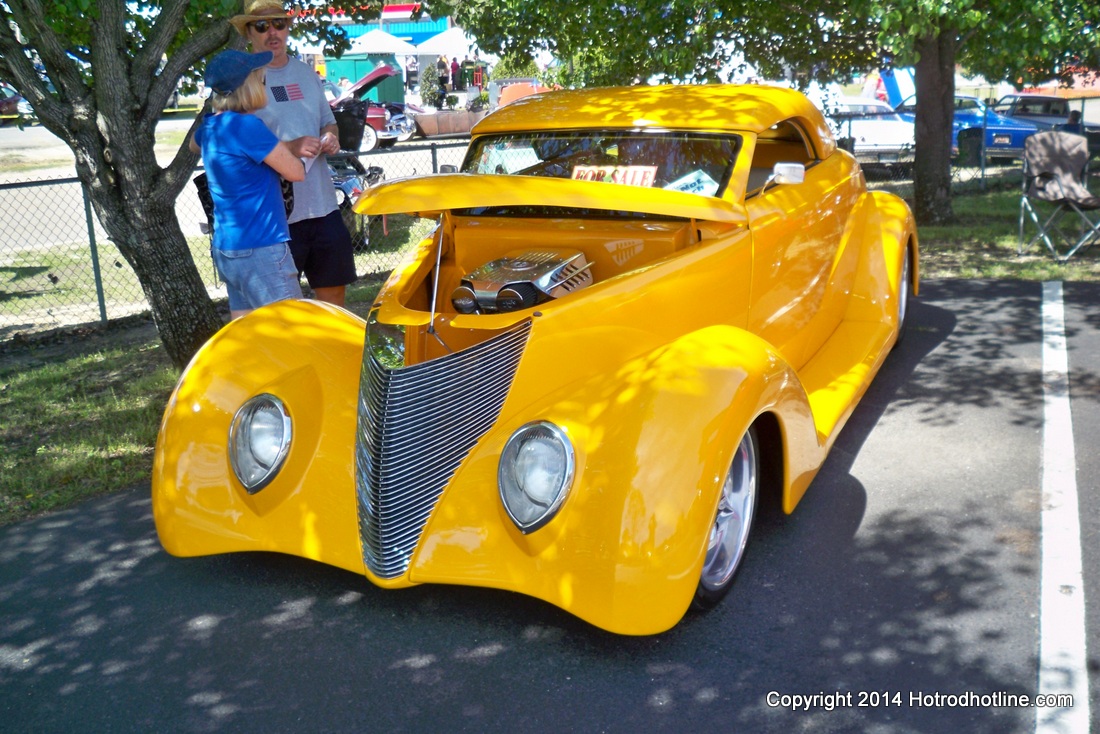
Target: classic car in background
column 1043, row 110
column 10, row 101
column 1004, row 137
column 877, row 134
column 633, row 327
column 385, row 123
column 1046, row 111
column 509, row 89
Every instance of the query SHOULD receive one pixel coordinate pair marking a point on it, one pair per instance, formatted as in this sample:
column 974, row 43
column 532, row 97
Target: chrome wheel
column 905, row 288
column 370, row 139
column 732, row 523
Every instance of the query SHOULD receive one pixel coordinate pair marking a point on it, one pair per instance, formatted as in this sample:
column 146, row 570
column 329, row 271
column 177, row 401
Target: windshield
column 691, row 162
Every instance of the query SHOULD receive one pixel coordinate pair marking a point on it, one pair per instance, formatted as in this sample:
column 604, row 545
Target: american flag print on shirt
column 289, row 93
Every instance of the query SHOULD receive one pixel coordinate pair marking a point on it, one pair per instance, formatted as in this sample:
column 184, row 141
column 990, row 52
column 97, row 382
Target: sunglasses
column 261, row 26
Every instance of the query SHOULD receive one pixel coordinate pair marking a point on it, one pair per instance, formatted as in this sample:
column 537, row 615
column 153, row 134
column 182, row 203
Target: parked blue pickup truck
column 1045, row 111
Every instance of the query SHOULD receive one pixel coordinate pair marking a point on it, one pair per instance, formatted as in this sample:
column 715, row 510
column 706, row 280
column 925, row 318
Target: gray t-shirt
column 296, row 106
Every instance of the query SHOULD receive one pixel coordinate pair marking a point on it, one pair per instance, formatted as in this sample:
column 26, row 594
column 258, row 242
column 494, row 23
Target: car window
column 692, row 162
column 784, row 142
column 1055, row 107
column 966, row 104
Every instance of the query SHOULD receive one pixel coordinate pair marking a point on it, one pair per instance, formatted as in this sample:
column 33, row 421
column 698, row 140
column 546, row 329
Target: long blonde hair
column 249, row 97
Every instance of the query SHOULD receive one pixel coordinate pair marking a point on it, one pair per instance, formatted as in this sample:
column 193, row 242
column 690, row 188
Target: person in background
column 297, row 111
column 456, row 78
column 1073, row 123
column 444, row 70
column 243, row 161
column 344, row 83
column 467, row 72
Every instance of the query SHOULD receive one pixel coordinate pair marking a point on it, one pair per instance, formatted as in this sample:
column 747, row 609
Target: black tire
column 733, row 519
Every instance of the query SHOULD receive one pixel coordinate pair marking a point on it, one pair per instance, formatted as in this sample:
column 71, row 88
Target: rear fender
column 886, row 234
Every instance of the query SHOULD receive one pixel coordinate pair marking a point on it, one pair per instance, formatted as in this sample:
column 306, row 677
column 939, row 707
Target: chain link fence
column 889, row 164
column 58, row 268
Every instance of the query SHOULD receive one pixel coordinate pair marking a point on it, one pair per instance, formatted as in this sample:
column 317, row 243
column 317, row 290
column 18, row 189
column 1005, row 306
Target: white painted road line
column 1062, row 660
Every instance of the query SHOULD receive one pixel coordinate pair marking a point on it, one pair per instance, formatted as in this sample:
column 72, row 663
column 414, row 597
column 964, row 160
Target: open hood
column 367, row 83
column 429, row 196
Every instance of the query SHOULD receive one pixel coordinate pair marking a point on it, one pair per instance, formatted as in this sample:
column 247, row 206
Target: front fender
column 653, row 441
column 308, row 354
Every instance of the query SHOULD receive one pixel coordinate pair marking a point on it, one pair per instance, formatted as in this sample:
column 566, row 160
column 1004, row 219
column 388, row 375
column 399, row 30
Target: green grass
column 984, row 241
column 79, row 426
column 80, row 411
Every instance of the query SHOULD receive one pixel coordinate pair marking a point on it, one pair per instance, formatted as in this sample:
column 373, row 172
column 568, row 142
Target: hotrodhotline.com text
column 913, row 699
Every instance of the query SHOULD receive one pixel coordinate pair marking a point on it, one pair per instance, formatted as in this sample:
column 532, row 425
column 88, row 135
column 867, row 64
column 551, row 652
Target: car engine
column 521, row 279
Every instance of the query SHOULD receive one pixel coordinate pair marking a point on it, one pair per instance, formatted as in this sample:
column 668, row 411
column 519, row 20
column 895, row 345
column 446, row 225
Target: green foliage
column 515, row 64
column 430, row 93
column 1021, row 41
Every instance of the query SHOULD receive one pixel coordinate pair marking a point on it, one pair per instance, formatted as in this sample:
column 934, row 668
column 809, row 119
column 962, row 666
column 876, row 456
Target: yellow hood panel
column 429, row 196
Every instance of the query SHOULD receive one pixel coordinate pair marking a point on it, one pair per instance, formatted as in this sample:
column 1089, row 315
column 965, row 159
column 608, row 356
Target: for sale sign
column 629, row 175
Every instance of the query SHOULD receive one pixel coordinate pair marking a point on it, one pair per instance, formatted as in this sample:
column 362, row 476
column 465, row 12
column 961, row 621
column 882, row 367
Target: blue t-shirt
column 248, row 201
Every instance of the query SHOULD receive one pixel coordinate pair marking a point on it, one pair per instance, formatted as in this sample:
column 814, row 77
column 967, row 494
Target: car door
column 801, row 274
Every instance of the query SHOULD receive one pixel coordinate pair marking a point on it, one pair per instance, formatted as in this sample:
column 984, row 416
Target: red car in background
column 9, row 100
column 385, row 122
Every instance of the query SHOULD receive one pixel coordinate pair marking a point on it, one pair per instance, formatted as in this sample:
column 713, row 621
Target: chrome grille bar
column 416, row 426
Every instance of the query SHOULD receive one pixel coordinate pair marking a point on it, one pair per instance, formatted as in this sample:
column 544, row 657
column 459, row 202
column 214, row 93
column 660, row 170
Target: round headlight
column 259, row 439
column 535, row 474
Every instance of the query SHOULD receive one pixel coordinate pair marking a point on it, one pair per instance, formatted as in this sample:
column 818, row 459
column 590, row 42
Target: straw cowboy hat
column 258, row 10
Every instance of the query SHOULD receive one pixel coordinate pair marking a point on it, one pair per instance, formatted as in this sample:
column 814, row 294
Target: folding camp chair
column 1055, row 174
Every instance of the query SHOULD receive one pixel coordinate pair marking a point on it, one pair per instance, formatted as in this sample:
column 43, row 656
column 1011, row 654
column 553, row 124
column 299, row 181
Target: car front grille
column 416, row 426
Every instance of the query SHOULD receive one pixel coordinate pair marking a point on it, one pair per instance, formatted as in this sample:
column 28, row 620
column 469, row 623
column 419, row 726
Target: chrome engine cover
column 521, row 279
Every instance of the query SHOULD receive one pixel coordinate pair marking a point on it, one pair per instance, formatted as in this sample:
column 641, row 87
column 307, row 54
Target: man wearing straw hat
column 297, row 110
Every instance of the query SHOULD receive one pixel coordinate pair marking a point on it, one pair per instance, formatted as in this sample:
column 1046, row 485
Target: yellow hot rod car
column 642, row 310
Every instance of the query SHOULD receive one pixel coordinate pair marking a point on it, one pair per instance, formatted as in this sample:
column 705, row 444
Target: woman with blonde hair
column 244, row 161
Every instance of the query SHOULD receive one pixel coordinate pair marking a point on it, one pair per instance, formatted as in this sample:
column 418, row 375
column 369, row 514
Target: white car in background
column 872, row 130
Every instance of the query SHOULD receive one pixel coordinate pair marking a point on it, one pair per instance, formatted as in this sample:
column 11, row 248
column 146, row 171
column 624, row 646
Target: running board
column 841, row 371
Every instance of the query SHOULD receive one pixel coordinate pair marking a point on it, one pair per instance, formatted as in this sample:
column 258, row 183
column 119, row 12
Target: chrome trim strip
column 416, row 425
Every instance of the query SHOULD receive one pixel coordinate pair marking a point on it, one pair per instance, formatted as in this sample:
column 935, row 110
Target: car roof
column 869, row 101
column 1030, row 96
column 746, row 108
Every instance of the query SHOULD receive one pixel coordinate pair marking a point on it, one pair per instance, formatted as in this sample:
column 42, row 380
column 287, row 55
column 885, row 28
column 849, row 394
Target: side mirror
column 787, row 173
column 448, row 168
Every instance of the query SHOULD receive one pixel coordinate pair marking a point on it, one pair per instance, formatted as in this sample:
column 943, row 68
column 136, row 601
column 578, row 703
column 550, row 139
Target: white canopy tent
column 450, row 43
column 379, row 42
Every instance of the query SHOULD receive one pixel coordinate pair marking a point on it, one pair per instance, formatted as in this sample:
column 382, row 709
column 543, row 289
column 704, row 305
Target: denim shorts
column 258, row 276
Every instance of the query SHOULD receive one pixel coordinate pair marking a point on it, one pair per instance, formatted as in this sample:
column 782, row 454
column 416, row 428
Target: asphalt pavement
column 907, row 577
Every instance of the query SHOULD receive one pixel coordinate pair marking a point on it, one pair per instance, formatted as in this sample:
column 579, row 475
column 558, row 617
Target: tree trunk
column 147, row 233
column 934, row 79
column 135, row 201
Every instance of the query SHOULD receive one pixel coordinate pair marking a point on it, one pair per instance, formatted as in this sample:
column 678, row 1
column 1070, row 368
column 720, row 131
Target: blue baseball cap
column 228, row 70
